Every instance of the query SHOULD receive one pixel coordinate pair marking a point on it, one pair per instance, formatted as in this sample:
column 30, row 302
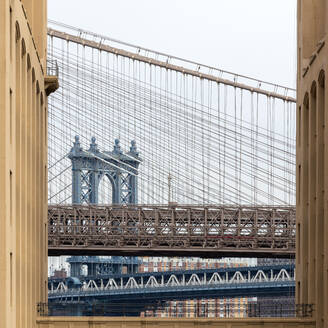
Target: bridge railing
column 52, row 67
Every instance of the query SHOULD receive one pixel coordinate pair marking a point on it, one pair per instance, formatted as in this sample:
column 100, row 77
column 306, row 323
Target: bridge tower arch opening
column 105, row 190
column 90, row 168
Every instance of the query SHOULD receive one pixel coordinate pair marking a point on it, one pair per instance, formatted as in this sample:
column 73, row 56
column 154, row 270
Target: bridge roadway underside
column 193, row 252
column 158, row 230
column 126, row 322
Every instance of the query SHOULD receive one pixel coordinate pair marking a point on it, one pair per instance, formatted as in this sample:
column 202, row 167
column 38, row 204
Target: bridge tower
column 312, row 159
column 26, row 80
column 101, row 266
column 90, row 166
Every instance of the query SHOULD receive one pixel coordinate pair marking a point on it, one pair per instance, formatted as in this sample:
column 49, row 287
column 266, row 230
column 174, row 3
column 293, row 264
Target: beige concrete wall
column 36, row 12
column 312, row 159
column 23, row 162
column 107, row 322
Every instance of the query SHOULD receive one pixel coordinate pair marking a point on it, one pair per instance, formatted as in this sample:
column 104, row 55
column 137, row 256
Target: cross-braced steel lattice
column 175, row 231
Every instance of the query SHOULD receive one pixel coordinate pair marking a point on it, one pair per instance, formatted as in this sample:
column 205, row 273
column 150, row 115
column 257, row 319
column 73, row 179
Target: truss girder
column 136, row 229
column 158, row 283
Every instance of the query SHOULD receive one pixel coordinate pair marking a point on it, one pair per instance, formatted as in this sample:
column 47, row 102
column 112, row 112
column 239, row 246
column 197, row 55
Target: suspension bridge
column 133, row 126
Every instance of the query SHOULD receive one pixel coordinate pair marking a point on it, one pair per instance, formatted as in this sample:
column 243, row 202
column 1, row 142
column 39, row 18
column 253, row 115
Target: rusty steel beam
column 207, row 231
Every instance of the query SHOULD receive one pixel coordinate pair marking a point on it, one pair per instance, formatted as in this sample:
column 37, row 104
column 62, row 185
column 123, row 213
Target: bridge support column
column 76, row 186
column 76, row 174
column 94, row 184
column 92, row 269
column 118, row 187
column 75, row 269
column 133, row 186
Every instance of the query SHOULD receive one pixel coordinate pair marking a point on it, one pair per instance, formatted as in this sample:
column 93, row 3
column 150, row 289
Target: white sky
column 252, row 37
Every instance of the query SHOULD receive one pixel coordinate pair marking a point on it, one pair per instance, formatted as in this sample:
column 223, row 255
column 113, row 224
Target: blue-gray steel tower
column 92, row 165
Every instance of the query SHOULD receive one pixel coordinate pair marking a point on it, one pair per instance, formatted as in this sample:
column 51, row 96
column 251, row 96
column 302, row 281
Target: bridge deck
column 207, row 231
column 254, row 281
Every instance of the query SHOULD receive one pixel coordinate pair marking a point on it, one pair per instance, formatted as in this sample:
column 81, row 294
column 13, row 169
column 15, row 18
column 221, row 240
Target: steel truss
column 171, row 230
column 174, row 282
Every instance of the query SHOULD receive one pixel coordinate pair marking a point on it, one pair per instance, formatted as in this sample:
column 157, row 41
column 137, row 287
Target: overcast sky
column 252, row 37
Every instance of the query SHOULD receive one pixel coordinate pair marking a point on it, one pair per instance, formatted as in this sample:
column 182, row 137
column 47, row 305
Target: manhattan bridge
column 151, row 154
